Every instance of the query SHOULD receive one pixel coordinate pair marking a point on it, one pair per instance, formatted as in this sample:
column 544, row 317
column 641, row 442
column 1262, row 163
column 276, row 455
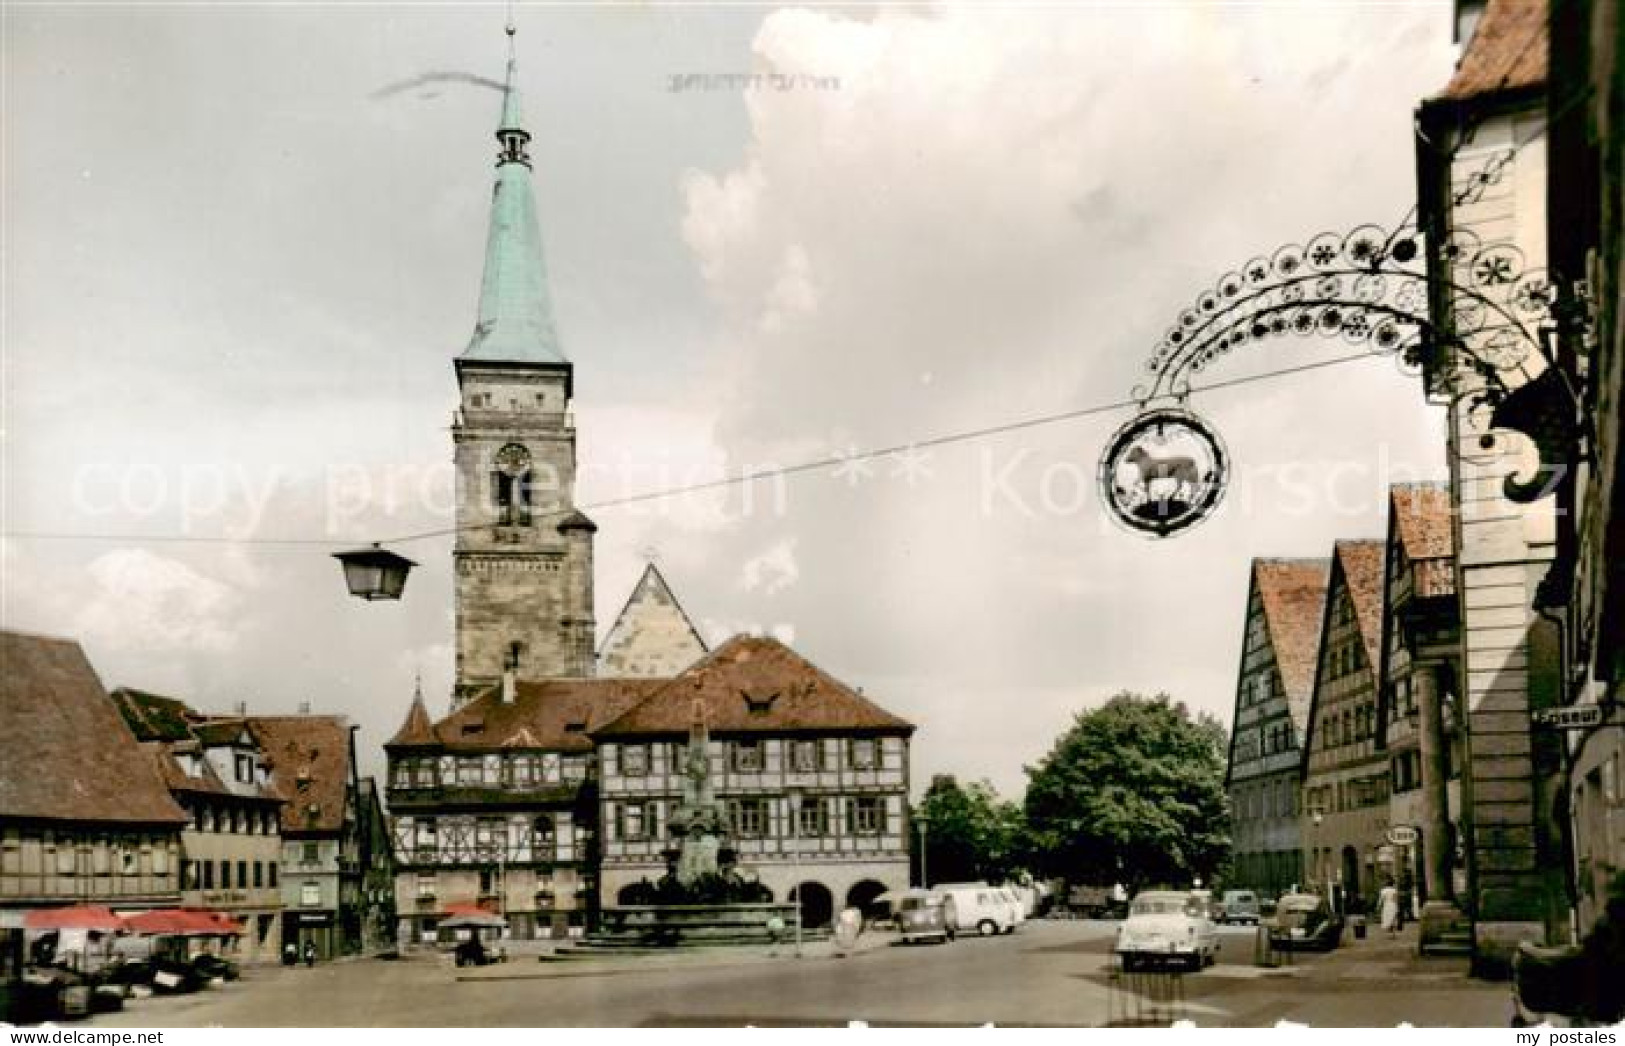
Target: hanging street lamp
column 374, row 572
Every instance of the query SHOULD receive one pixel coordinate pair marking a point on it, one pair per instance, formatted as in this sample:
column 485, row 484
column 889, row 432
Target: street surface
column 1048, row 973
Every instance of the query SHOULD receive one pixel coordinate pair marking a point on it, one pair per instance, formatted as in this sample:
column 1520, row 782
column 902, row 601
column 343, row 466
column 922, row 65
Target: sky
column 242, row 245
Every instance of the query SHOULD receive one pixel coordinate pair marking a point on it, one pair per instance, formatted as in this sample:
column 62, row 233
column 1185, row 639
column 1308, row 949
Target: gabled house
column 493, row 809
column 813, row 774
column 231, row 847
column 1345, row 771
column 85, row 815
column 1285, row 601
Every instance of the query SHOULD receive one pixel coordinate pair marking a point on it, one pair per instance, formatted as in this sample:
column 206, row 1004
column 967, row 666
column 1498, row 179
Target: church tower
column 523, row 552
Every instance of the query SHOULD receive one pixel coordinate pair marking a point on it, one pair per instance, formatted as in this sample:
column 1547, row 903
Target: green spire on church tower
column 515, row 322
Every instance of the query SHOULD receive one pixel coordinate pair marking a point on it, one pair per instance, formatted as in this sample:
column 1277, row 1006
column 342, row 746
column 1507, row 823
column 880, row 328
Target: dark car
column 1305, row 920
column 921, row 919
column 473, row 952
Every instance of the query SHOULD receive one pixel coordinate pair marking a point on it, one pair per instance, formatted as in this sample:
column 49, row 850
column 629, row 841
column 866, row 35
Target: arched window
column 510, row 485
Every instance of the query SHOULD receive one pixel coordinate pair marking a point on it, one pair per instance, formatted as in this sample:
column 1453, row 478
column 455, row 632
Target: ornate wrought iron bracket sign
column 1163, row 472
column 1372, row 287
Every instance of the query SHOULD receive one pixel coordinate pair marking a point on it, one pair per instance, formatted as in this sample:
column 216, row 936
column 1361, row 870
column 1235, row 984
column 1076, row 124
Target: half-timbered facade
column 1345, row 788
column 1285, row 600
column 814, row 777
column 491, row 808
column 84, row 815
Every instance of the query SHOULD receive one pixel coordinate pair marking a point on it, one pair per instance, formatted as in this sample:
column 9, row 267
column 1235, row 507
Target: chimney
column 241, row 708
column 509, row 683
column 304, row 708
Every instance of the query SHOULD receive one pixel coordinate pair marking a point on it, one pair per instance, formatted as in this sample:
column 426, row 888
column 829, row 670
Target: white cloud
column 147, row 602
column 773, row 571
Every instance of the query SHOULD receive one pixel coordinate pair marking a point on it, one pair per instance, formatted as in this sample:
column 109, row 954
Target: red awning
column 75, row 917
column 184, row 922
column 466, row 908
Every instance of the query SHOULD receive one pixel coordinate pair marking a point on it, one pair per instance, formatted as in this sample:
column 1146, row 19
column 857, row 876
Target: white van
column 987, row 910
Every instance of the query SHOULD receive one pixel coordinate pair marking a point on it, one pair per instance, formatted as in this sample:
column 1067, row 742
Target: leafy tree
column 971, row 833
column 1132, row 793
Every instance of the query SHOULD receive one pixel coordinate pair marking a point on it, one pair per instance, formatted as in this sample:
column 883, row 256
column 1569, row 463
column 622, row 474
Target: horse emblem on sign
column 1163, row 472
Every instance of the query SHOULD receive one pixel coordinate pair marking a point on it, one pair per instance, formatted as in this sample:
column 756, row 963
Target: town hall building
column 543, row 793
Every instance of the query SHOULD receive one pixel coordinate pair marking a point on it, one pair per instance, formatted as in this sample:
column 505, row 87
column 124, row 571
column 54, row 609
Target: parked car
column 473, row 952
column 1305, row 920
column 984, row 909
column 1167, row 927
column 921, row 918
column 1239, row 906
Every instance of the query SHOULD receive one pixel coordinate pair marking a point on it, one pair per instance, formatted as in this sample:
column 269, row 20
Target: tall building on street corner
column 85, row 815
column 231, row 847
column 1345, row 774
column 1285, row 601
column 1482, row 187
column 1585, row 110
column 512, row 804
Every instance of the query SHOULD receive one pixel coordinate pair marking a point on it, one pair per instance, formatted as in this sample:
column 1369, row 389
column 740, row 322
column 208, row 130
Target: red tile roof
column 65, row 753
column 417, row 730
column 1361, row 564
column 1293, row 592
column 309, row 757
column 1508, row 51
column 753, row 684
column 1422, row 517
column 153, row 717
column 551, row 715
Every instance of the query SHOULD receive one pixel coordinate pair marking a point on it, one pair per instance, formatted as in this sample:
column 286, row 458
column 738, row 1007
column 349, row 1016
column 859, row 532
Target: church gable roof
column 652, row 636
column 754, row 684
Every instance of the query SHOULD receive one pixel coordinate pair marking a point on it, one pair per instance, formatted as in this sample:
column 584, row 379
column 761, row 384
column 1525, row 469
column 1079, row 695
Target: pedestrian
column 290, row 954
column 310, row 953
column 1388, row 908
column 848, row 927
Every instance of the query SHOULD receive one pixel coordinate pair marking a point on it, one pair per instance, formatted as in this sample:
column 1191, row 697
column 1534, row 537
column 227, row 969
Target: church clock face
column 513, row 459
